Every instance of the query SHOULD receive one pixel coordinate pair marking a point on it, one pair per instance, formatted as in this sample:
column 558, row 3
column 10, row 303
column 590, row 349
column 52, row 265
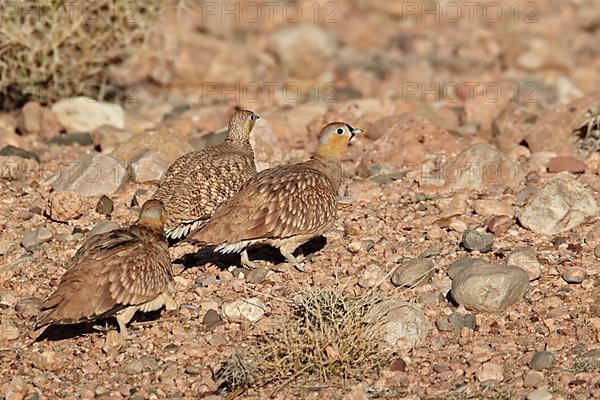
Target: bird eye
column 340, row 131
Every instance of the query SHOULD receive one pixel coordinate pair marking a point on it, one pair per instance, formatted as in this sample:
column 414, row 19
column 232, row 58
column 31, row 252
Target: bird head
column 241, row 125
column 334, row 139
column 152, row 213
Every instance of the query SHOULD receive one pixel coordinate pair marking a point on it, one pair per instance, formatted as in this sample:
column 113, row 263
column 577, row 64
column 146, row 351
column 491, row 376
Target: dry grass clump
column 326, row 337
column 54, row 49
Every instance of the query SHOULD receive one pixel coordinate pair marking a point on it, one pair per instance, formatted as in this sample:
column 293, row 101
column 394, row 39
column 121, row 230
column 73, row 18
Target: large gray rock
column 481, row 166
column 560, row 205
column 93, row 174
column 488, row 287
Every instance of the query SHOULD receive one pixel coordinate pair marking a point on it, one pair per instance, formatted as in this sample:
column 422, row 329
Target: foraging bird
column 284, row 206
column 116, row 273
column 198, row 182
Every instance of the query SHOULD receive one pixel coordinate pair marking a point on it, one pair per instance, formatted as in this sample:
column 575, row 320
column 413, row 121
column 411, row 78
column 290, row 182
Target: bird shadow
column 266, row 253
column 55, row 333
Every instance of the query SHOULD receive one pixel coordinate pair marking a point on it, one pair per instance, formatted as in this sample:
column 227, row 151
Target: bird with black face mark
column 284, row 206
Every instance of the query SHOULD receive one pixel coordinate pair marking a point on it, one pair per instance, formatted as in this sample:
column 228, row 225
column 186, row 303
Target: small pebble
column 355, row 246
column 525, row 258
column 490, row 371
column 597, row 251
column 574, row 275
column 458, row 226
column 257, row 275
column 105, row 205
column 533, row 379
column 37, row 237
column 398, row 364
column 413, row 273
column 477, row 241
column 193, row 369
column 540, row 394
column 28, row 307
column 542, row 360
column 211, row 317
column 371, row 277
column 500, row 224
column 251, row 309
column 240, row 272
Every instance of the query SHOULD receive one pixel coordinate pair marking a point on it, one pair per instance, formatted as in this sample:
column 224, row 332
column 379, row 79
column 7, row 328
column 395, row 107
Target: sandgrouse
column 196, row 183
column 284, row 206
column 116, row 273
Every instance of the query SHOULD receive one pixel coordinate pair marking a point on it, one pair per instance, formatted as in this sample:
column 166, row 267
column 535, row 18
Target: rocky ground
column 479, row 210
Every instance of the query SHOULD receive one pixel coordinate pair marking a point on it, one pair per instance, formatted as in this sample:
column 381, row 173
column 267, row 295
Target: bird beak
column 355, row 131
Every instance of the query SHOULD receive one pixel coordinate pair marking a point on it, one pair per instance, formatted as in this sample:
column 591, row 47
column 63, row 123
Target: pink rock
column 38, row 120
column 566, row 163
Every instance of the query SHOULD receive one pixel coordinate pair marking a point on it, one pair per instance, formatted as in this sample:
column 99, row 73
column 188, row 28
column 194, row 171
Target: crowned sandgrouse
column 196, row 183
column 116, row 273
column 283, row 206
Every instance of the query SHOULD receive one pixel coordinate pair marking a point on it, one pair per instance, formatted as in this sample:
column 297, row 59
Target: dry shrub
column 55, row 49
column 327, row 337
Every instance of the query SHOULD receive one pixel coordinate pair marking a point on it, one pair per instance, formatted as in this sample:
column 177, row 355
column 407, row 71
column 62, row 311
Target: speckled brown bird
column 198, row 182
column 283, row 206
column 116, row 274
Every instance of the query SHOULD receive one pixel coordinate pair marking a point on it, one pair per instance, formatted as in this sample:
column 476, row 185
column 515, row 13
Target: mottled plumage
column 116, row 273
column 283, row 206
column 198, row 182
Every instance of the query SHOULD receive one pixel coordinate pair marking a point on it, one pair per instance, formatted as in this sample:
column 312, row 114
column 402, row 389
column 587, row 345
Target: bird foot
column 101, row 328
column 245, row 261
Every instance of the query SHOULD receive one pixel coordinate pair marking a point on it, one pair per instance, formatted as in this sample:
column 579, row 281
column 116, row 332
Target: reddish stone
column 500, row 224
column 566, row 163
column 398, row 365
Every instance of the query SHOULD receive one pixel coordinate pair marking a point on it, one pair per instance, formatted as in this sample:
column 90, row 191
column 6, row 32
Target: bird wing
column 277, row 203
column 195, row 185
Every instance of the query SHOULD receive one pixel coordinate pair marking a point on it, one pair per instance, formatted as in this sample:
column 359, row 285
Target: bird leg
column 287, row 253
column 246, row 261
column 123, row 318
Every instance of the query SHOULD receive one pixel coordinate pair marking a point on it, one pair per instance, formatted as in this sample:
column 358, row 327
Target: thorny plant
column 589, row 131
column 327, row 338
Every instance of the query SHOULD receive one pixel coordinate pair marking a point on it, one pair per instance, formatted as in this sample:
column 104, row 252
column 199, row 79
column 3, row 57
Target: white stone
column 251, row 309
column 83, row 114
column 559, row 206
